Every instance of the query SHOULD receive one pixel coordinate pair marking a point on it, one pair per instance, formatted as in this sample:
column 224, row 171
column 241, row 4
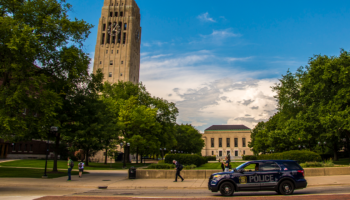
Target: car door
column 248, row 179
column 269, row 175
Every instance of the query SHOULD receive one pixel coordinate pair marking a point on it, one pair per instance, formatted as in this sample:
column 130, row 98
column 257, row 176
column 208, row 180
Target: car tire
column 227, row 189
column 286, row 188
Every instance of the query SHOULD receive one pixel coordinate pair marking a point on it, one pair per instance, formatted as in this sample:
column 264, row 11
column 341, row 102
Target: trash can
column 132, row 173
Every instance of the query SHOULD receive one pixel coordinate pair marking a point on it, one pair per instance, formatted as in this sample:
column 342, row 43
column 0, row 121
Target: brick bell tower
column 117, row 51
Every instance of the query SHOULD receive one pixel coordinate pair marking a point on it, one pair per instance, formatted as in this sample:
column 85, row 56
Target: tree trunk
column 56, row 150
column 106, row 156
column 335, row 149
column 87, row 157
column 137, row 155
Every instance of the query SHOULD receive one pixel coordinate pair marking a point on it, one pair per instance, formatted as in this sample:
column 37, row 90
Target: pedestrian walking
column 70, row 167
column 81, row 169
column 178, row 168
column 226, row 163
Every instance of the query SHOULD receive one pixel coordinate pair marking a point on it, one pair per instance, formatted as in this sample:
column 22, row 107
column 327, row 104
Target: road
column 334, row 192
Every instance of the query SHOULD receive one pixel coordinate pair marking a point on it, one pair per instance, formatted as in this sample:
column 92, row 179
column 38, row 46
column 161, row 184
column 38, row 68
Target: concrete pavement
column 118, row 180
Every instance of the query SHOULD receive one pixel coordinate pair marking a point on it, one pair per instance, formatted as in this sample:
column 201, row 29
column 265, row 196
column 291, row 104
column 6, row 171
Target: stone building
column 117, row 51
column 222, row 140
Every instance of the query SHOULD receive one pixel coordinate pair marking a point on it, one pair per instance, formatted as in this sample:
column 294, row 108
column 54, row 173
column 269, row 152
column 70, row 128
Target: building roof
column 227, row 127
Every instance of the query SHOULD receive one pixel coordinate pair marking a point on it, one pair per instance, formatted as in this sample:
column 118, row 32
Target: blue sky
column 217, row 61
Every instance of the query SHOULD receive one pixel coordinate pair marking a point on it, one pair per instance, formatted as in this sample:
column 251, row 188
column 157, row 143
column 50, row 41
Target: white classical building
column 222, row 140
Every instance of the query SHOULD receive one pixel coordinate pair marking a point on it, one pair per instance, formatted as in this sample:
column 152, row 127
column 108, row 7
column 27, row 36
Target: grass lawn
column 217, row 165
column 31, row 173
column 62, row 164
column 343, row 161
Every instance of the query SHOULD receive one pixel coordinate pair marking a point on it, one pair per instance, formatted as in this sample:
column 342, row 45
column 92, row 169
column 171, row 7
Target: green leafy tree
column 188, row 139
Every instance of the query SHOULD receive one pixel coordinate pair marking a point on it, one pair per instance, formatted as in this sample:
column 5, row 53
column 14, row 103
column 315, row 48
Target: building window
column 100, row 62
column 124, row 38
column 220, row 153
column 20, row 147
column 111, row 14
column 212, row 142
column 104, row 27
column 121, row 74
column 116, row 14
column 243, row 152
column 122, row 4
column 103, row 38
column 228, row 153
column 220, row 142
column 121, row 14
column 14, row 147
column 111, row 62
column 112, row 52
column 236, row 153
column 122, row 62
column 212, row 153
column 110, row 74
column 236, row 142
column 106, row 51
column 243, row 142
column 117, row 51
column 125, row 26
column 227, row 142
column 31, row 147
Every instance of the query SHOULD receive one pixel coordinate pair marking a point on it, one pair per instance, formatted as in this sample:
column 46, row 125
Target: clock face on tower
column 114, row 29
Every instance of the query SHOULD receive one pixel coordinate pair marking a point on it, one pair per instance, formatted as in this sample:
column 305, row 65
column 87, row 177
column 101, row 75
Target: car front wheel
column 286, row 188
column 227, row 189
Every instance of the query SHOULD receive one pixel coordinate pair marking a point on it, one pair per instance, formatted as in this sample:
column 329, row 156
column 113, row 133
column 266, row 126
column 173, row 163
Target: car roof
column 272, row 161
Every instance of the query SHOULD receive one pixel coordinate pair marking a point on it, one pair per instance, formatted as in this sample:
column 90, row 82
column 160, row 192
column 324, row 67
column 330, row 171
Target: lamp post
column 53, row 129
column 175, row 151
column 121, row 146
column 322, row 144
column 162, row 151
column 171, row 151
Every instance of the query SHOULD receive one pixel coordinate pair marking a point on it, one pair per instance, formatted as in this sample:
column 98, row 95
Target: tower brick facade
column 117, row 51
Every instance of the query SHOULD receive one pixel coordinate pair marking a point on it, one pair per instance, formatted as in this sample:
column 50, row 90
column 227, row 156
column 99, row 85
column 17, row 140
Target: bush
column 186, row 159
column 161, row 162
column 311, row 164
column 300, row 156
column 210, row 158
column 189, row 166
column 161, row 166
column 248, row 157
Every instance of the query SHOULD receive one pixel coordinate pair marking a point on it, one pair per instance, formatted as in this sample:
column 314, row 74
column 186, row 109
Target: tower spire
column 117, row 52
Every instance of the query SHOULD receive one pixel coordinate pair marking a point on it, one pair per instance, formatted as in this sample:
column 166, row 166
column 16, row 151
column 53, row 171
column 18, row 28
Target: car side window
column 270, row 166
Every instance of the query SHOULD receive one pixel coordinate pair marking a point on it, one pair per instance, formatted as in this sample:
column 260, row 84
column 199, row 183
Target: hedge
column 300, row 156
column 161, row 166
column 248, row 157
column 210, row 158
column 186, row 159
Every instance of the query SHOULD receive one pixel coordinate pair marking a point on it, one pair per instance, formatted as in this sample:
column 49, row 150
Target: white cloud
column 205, row 17
column 154, row 43
column 208, row 92
column 233, row 59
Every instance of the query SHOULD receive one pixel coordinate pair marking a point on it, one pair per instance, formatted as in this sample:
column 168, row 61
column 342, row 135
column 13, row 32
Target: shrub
column 186, row 159
column 328, row 163
column 161, row 166
column 248, row 157
column 300, row 156
column 161, row 162
column 210, row 158
column 190, row 166
column 312, row 164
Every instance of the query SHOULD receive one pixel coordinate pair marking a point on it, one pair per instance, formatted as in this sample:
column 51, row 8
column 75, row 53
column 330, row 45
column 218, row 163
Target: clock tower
column 117, row 51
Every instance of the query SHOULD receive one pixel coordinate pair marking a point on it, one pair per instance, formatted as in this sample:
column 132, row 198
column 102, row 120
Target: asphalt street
column 12, row 193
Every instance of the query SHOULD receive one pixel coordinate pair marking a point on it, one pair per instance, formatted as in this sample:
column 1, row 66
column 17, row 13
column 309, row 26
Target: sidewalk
column 118, row 180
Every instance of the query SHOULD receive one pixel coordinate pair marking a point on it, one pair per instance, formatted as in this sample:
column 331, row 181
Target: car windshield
column 242, row 166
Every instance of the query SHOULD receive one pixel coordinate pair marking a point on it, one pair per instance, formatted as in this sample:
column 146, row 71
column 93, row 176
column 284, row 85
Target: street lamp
column 171, row 151
column 121, row 146
column 53, row 130
column 175, row 151
column 162, row 151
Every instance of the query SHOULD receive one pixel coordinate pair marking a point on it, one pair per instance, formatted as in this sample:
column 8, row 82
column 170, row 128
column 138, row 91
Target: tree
column 39, row 32
column 188, row 139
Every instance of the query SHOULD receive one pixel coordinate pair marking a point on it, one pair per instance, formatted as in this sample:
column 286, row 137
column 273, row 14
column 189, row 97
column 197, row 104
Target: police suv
column 282, row 176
